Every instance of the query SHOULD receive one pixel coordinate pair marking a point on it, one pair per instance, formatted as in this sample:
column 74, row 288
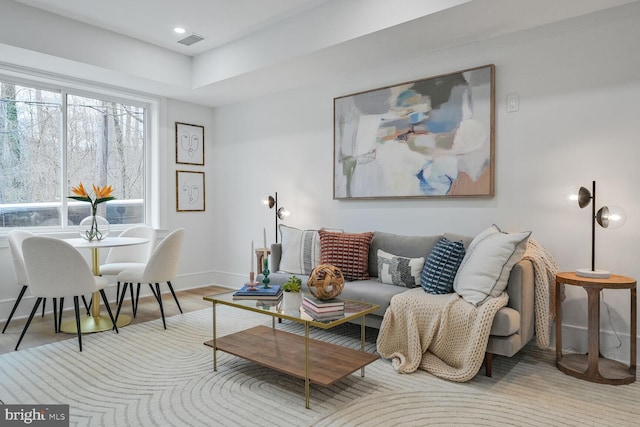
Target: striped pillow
column 347, row 251
column 300, row 250
column 441, row 267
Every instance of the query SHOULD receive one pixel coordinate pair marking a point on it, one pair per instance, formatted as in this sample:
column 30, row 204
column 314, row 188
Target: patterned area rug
column 146, row 376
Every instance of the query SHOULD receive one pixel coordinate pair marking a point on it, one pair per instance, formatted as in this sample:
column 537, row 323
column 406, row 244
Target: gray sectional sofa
column 513, row 325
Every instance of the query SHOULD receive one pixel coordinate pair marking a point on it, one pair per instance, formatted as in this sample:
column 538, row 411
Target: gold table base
column 95, row 322
column 89, row 324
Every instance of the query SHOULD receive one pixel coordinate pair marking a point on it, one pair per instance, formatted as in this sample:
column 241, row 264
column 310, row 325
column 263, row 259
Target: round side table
column 592, row 366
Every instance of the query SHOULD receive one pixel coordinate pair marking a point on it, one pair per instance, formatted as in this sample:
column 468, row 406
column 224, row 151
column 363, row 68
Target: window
column 53, row 139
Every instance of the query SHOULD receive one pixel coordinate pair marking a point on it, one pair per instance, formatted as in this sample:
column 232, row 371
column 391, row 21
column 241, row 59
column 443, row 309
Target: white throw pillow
column 300, row 250
column 399, row 271
column 485, row 269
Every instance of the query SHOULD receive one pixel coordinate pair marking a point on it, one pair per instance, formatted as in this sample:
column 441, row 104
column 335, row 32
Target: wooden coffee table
column 315, row 361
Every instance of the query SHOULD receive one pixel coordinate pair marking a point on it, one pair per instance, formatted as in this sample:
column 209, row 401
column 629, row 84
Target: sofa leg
column 488, row 359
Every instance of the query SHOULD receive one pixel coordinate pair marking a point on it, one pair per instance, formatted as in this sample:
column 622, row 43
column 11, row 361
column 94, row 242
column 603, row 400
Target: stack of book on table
column 323, row 310
column 272, row 293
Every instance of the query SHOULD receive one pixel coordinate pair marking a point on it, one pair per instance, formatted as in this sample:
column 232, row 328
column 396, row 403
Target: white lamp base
column 593, row 274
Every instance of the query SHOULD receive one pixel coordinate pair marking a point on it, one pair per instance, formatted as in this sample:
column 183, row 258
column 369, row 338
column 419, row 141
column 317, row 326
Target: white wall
column 578, row 84
column 195, row 265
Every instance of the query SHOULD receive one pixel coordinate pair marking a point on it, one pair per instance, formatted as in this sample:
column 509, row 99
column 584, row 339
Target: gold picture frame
column 190, row 191
column 189, row 144
column 425, row 138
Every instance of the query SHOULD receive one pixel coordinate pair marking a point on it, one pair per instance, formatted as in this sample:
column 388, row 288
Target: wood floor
column 41, row 329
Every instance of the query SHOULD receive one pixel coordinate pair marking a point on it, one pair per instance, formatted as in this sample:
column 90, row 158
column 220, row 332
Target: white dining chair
column 161, row 267
column 55, row 269
column 15, row 238
column 121, row 258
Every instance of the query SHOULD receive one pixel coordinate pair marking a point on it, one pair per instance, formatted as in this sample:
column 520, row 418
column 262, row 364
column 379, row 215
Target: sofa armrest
column 276, row 255
column 521, row 297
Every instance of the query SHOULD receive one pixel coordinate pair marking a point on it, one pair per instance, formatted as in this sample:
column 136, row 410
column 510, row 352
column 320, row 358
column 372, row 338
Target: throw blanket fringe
column 446, row 336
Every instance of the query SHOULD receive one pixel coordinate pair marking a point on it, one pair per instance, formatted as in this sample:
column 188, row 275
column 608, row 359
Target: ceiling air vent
column 192, row 39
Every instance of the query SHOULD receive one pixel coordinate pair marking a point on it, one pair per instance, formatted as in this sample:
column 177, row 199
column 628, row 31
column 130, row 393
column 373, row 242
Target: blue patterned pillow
column 441, row 267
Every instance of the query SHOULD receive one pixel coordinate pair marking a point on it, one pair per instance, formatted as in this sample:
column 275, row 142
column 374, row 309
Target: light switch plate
column 513, row 102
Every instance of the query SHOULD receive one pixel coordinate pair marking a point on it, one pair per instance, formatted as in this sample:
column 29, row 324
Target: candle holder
column 252, row 282
column 265, row 274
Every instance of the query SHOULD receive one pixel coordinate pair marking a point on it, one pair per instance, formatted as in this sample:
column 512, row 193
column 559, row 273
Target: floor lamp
column 280, row 212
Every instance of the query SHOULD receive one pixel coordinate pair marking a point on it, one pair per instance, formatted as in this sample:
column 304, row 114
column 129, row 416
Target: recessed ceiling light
column 179, row 30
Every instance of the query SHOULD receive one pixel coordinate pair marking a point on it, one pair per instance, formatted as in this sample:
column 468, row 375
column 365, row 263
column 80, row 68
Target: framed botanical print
column 190, row 194
column 426, row 138
column 189, row 144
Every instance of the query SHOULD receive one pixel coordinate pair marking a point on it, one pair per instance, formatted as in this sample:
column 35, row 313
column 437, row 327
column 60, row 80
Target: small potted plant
column 292, row 293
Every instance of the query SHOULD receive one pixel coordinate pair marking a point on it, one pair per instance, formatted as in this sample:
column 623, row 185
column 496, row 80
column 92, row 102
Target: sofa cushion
column 399, row 271
column 372, row 292
column 441, row 266
column 300, row 250
column 506, row 322
column 485, row 269
column 399, row 245
column 347, row 251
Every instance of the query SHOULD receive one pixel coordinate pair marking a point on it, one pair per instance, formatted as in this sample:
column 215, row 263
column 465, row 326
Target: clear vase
column 94, row 227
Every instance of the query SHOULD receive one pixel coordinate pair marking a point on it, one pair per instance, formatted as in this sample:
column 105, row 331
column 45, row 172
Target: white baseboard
column 575, row 339
column 229, row 280
column 26, row 305
column 182, row 282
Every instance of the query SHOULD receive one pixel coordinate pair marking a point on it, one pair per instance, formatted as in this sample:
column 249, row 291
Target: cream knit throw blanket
column 445, row 335
column 545, row 269
column 442, row 334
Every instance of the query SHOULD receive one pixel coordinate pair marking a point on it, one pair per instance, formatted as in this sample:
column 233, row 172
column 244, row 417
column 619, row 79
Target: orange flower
column 100, row 195
column 79, row 191
column 102, row 192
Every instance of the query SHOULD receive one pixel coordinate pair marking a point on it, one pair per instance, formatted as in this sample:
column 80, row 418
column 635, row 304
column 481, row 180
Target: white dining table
column 94, row 321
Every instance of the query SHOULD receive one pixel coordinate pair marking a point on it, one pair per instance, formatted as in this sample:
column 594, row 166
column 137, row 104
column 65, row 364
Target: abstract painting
column 426, row 138
column 189, row 191
column 189, row 144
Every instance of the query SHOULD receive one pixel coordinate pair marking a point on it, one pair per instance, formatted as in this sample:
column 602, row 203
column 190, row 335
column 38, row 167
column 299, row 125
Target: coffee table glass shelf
column 312, row 360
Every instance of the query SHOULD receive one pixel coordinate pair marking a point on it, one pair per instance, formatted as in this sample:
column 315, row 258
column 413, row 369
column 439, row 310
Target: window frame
column 155, row 111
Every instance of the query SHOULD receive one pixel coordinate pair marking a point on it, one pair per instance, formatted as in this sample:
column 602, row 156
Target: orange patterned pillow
column 347, row 251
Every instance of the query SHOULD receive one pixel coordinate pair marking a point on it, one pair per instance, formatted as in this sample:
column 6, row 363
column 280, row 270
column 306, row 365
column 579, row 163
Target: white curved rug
column 146, row 376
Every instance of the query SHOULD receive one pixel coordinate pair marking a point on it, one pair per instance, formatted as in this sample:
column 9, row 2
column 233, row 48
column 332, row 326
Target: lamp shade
column 584, row 197
column 283, row 213
column 570, row 196
column 269, row 201
column 577, row 197
column 611, row 217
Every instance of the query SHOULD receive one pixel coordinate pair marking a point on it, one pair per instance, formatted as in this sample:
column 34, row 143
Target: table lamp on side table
column 607, row 216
